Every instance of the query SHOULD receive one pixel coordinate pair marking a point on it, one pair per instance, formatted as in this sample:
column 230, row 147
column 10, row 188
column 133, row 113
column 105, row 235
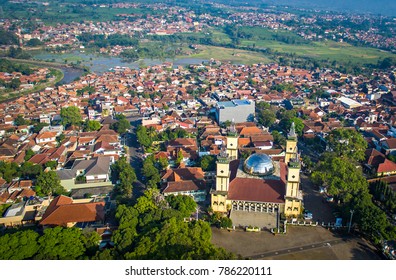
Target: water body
column 100, row 63
column 70, row 74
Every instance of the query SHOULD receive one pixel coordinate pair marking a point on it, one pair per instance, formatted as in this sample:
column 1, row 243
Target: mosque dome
column 259, row 164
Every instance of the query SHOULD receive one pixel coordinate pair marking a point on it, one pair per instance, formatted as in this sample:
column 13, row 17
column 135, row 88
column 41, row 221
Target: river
column 100, row 63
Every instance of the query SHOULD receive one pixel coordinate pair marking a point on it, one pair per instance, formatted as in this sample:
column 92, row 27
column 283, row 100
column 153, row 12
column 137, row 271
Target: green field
column 330, row 50
column 230, row 55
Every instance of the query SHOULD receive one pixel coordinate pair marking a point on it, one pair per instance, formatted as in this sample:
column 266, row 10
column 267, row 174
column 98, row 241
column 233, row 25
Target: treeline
column 9, row 67
column 103, row 41
column 53, row 244
column 153, row 228
column 8, row 37
column 384, row 194
column 337, row 170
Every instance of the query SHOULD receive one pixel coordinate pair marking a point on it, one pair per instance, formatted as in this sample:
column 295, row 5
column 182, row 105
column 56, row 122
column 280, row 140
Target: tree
column 19, row 120
column 279, row 139
column 183, row 203
column 39, row 126
column 124, row 174
column 71, row 116
column 9, row 170
column 341, row 177
column 48, row 183
column 347, row 143
column 121, row 126
column 15, row 83
column 142, row 136
column 29, row 154
column 30, row 170
column 20, row 245
column 51, row 164
column 266, row 118
column 151, row 172
column 208, row 163
column 34, row 42
column 92, row 125
column 225, row 222
column 163, row 162
column 180, row 157
column 61, row 244
column 91, row 240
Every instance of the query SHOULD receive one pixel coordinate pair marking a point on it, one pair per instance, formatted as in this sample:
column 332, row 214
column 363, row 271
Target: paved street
column 322, row 211
column 134, row 155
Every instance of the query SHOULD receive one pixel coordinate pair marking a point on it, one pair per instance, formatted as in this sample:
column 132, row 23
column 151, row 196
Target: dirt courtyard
column 300, row 243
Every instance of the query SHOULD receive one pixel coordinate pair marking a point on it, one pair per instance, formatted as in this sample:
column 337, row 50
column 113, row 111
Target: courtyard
column 299, row 243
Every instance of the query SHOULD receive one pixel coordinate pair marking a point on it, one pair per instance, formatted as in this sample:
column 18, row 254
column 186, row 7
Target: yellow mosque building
column 258, row 190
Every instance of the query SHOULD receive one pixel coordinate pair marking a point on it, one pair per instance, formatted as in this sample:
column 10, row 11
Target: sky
column 383, row 7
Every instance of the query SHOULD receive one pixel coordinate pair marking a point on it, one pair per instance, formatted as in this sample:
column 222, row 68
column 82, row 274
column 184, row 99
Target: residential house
column 185, row 181
column 63, row 211
column 87, row 173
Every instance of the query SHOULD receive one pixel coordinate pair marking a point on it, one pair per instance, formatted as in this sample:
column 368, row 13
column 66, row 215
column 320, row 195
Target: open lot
column 300, row 243
column 233, row 55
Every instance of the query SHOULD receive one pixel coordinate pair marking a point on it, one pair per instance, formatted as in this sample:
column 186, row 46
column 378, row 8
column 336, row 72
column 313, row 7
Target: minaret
column 219, row 196
column 293, row 197
column 232, row 142
column 291, row 144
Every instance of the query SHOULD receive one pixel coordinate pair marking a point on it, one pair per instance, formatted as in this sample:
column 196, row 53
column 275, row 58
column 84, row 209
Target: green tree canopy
column 208, row 163
column 122, row 125
column 123, row 173
column 143, row 137
column 71, row 116
column 9, row 170
column 347, row 143
column 48, row 183
column 61, row 244
column 92, row 125
column 20, row 245
column 183, row 203
column 341, row 177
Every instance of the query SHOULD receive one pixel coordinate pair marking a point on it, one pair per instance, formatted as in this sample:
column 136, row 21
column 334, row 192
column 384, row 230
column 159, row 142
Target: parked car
column 308, row 215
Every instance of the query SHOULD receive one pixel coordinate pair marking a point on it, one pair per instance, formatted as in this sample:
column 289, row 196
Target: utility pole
column 350, row 221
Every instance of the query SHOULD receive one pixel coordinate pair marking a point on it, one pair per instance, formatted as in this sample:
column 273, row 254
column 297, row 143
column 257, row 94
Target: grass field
column 329, row 50
column 233, row 55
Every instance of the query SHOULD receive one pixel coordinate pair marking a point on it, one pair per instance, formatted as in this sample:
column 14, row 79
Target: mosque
column 255, row 192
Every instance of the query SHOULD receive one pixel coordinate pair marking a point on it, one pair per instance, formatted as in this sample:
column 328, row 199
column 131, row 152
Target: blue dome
column 259, row 164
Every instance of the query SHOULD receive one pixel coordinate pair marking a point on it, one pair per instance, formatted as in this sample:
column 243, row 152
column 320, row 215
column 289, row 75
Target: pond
column 101, row 63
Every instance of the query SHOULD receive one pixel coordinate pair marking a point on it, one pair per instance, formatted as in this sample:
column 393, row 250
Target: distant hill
column 383, row 7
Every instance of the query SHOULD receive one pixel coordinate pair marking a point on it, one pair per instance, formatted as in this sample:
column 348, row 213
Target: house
column 378, row 165
column 187, row 146
column 46, row 137
column 87, row 173
column 63, row 211
column 185, row 181
column 389, row 146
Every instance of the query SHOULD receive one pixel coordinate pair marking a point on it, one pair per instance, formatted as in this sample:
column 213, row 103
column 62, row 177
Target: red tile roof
column 183, row 186
column 62, row 211
column 257, row 190
column 387, row 166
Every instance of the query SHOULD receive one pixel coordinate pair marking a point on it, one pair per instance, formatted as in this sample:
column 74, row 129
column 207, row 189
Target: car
column 322, row 189
column 308, row 215
column 329, row 199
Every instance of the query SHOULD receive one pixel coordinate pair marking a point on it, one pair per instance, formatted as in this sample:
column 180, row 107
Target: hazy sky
column 383, row 7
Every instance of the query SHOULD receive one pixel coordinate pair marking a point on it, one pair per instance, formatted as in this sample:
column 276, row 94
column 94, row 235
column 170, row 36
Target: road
column 286, row 251
column 134, row 155
column 322, row 211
